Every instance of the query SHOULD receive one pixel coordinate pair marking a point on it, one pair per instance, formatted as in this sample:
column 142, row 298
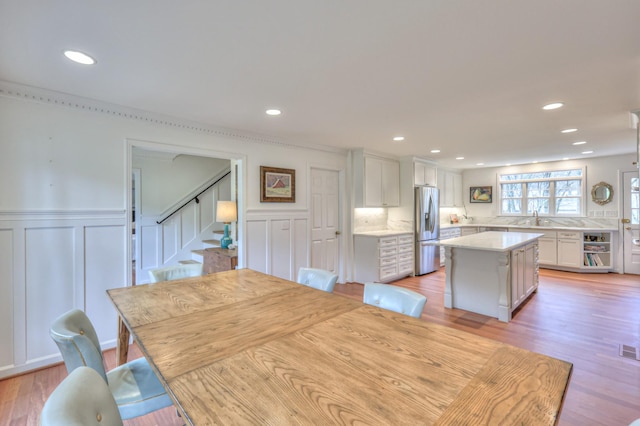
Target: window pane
column 566, row 188
column 511, row 190
column 539, row 204
column 568, row 206
column 511, row 206
column 538, row 189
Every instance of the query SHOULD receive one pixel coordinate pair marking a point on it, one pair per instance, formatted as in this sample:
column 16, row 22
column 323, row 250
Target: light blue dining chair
column 317, row 278
column 394, row 298
column 134, row 385
column 177, row 272
column 81, row 399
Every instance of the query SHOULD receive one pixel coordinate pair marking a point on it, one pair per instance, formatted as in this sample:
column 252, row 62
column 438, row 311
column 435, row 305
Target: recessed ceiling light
column 534, row 162
column 580, row 143
column 565, row 158
column 79, row 57
column 587, row 152
column 508, row 164
column 398, row 138
column 568, row 130
column 459, row 158
column 273, row 112
column 554, row 105
column 435, row 151
column 479, row 164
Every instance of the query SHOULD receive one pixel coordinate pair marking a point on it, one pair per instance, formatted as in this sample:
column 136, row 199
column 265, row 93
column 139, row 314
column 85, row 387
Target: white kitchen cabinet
column 450, row 185
column 569, row 249
column 382, row 259
column 524, row 273
column 547, row 245
column 425, row 173
column 447, row 234
column 376, row 181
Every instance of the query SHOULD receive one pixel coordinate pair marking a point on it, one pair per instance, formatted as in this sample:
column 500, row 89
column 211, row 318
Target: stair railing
column 195, row 197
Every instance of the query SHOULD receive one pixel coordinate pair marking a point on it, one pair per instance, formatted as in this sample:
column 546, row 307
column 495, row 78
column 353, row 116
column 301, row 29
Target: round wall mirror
column 602, row 193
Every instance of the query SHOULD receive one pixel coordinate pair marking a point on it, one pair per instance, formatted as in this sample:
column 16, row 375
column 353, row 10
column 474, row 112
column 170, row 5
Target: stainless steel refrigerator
column 427, row 226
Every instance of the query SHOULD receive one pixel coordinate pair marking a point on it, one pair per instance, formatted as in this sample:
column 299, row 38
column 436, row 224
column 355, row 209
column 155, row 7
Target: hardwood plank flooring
column 580, row 318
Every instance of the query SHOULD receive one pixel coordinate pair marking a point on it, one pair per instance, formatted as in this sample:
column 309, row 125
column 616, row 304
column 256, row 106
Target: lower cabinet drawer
column 405, row 258
column 405, row 268
column 388, row 272
column 388, row 251
column 387, row 261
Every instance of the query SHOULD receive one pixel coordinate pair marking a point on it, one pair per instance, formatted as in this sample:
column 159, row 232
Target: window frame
column 552, row 192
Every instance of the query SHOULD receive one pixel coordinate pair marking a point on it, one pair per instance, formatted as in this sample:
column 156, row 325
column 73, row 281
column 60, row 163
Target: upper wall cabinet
column 425, row 174
column 376, row 181
column 450, row 184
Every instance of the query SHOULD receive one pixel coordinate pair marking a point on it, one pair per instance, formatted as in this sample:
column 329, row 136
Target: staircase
column 197, row 256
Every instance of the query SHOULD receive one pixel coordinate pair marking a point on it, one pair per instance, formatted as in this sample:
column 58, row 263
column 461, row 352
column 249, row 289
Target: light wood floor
column 580, row 318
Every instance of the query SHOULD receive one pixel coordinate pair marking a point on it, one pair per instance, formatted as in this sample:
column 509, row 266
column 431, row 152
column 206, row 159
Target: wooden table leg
column 122, row 348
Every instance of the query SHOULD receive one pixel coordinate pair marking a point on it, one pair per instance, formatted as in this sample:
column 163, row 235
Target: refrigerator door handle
column 428, row 222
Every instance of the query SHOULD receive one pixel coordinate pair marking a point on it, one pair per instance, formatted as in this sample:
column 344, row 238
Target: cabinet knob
column 338, row 232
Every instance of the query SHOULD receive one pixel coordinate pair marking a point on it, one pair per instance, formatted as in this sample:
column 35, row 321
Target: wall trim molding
column 45, row 96
column 9, row 215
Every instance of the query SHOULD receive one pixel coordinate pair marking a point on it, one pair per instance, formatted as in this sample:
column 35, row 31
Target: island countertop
column 491, row 240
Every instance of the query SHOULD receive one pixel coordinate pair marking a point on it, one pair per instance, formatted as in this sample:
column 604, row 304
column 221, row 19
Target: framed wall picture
column 277, row 185
column 480, row 194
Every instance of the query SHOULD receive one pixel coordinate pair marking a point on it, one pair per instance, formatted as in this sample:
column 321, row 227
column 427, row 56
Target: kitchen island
column 491, row 273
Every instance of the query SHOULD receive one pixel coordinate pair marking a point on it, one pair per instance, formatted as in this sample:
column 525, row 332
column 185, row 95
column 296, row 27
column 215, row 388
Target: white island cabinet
column 383, row 256
column 491, row 273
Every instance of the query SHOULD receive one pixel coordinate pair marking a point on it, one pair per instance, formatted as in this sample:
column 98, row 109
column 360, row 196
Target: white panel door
column 325, row 219
column 631, row 230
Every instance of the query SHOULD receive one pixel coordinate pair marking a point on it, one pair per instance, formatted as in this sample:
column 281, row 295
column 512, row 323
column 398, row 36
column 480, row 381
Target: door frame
column 238, row 171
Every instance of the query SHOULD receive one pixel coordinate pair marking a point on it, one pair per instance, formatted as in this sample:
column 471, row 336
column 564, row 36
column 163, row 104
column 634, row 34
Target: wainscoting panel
column 189, row 224
column 149, row 246
column 6, row 296
column 300, row 245
column 105, row 268
column 51, row 282
column 257, row 245
column 280, row 248
column 51, row 262
column 170, row 238
column 277, row 244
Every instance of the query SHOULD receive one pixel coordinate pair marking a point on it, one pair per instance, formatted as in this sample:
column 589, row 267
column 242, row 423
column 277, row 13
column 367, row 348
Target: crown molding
column 45, row 96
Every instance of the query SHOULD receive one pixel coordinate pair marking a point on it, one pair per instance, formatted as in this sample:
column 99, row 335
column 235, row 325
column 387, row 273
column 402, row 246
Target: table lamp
column 226, row 212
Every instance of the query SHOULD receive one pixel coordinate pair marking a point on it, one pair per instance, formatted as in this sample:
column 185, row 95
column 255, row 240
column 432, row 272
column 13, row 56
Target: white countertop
column 382, row 233
column 530, row 226
column 491, row 240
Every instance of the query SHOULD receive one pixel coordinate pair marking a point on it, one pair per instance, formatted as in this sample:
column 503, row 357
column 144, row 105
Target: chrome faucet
column 535, row 215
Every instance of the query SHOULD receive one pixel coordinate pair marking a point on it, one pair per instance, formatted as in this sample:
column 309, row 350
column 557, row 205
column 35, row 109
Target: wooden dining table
column 242, row 347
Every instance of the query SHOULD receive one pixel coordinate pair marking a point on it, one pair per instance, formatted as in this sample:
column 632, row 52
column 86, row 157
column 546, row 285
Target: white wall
column 599, row 169
column 64, row 173
column 168, row 179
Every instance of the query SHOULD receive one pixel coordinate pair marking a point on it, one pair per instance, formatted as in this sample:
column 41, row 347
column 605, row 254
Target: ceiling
column 466, row 77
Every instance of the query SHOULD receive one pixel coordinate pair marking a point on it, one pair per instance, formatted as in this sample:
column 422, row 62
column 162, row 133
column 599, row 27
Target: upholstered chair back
column 394, row 298
column 81, row 399
column 317, row 278
column 177, row 272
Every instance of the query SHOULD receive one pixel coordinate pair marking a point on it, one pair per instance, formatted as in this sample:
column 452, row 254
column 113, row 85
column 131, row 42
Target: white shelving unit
column 596, row 250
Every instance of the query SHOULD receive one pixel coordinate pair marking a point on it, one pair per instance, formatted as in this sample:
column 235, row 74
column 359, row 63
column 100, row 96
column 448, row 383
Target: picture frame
column 277, row 185
column 481, row 194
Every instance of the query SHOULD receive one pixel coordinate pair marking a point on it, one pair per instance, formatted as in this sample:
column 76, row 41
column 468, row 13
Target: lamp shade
column 226, row 211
